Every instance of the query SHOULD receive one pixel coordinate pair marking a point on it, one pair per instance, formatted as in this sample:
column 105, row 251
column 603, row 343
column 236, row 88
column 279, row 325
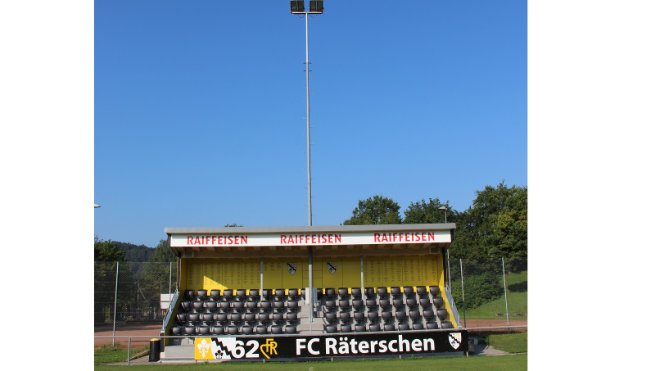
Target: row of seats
column 241, row 295
column 218, row 329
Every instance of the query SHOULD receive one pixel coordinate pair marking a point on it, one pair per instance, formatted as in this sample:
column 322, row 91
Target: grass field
column 512, row 343
column 516, row 297
column 508, row 363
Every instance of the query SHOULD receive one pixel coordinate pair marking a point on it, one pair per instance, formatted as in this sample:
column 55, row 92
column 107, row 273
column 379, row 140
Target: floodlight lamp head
column 297, row 6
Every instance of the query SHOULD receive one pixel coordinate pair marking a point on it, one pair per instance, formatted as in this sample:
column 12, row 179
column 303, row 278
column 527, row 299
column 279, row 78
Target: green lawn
column 512, row 343
column 516, row 297
column 508, row 363
column 108, row 354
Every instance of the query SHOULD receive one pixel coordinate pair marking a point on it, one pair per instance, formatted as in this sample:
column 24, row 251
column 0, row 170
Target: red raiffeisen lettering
column 310, row 239
column 216, row 240
column 405, row 237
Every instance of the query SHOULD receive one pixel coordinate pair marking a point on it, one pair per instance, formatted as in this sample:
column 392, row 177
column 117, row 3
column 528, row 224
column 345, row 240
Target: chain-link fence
column 489, row 292
column 126, row 292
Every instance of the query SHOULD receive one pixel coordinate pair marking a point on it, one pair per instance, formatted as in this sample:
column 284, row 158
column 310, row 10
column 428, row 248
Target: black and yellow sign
column 272, row 347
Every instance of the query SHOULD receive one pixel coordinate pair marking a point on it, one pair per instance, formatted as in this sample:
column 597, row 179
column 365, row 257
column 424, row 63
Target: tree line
column 493, row 227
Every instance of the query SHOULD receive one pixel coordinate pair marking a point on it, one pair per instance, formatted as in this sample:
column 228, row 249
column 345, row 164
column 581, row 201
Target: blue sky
column 199, row 109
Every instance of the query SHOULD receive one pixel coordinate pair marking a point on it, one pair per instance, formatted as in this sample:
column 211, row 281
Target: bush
column 479, row 289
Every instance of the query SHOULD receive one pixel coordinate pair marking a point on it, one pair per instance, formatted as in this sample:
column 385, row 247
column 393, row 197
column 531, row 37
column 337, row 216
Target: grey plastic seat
column 177, row 330
column 358, row 316
column 400, row 315
column 189, row 295
column 254, row 294
column 428, row 314
column 446, row 324
column 432, row 325
column 397, row 303
column 197, row 305
column 404, row 327
column 438, row 302
column 215, row 295
column 421, row 290
column 265, row 305
column 369, row 292
column 211, row 305
column 202, row 330
column 228, row 294
column 382, row 291
column 417, row 326
column 241, row 294
column 217, row 330
column 408, row 291
column 278, row 316
column 331, row 317
column 331, row 329
column 231, row 330
column 345, row 316
column 276, row 329
column 373, row 316
column 357, row 303
column 261, row 329
column 425, row 302
column 267, row 293
column 411, row 302
column 330, row 293
column 186, row 306
column 360, row 328
column 395, row 291
column 330, row 304
column 374, row 327
column 246, row 330
column 279, row 294
column 356, row 293
column 346, row 328
column 388, row 327
column 384, row 303
column 372, row 303
column 414, row 315
column 201, row 294
column 291, row 329
column 343, row 292
column 181, row 317
column 434, row 290
column 189, row 330
column 344, row 304
column 442, row 314
column 294, row 294
column 206, row 317
column 386, row 315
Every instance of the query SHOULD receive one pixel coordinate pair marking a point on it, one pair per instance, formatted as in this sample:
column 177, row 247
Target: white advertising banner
column 310, row 239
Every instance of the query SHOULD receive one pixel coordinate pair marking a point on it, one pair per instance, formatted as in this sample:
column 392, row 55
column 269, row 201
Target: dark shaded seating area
column 238, row 312
column 380, row 309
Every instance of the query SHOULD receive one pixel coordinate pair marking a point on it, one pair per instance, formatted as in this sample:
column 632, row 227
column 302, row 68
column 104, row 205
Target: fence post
column 129, row 351
column 448, row 271
column 460, row 262
column 169, row 288
column 506, row 302
column 114, row 319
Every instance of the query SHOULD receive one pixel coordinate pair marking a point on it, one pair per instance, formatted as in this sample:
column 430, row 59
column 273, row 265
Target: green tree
column 429, row 212
column 156, row 278
column 107, row 255
column 495, row 227
column 375, row 210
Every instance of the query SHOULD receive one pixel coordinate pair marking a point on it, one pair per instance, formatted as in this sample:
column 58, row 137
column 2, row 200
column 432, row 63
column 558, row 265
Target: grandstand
column 310, row 281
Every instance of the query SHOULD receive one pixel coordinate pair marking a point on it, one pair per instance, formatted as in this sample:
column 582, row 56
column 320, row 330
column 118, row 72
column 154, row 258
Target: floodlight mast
column 315, row 7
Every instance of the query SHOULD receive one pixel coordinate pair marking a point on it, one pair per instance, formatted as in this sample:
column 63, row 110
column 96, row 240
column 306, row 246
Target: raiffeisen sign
column 310, row 239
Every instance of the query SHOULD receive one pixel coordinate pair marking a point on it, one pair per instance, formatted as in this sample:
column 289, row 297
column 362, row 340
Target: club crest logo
column 455, row 339
column 292, row 268
column 203, row 349
column 332, row 267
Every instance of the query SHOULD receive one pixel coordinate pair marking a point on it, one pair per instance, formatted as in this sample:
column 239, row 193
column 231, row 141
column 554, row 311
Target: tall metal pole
column 310, row 299
column 460, row 262
column 114, row 319
column 506, row 302
column 309, row 157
